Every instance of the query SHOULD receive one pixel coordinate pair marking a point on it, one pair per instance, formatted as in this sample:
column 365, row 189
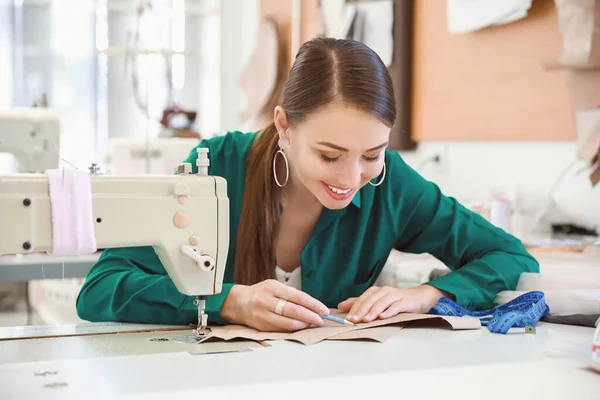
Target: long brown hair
column 325, row 71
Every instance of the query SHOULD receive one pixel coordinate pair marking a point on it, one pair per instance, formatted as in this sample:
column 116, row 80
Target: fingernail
column 383, row 315
column 324, row 310
column 369, row 317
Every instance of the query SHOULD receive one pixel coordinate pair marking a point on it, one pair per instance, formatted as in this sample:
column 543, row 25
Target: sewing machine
column 32, row 135
column 185, row 217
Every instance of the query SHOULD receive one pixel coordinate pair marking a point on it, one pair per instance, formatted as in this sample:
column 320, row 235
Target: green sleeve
column 131, row 285
column 484, row 259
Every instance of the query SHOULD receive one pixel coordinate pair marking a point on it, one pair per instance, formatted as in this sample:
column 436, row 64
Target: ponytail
column 259, row 219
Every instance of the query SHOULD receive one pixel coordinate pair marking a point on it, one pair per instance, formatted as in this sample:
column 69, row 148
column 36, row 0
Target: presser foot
column 202, row 329
column 198, row 334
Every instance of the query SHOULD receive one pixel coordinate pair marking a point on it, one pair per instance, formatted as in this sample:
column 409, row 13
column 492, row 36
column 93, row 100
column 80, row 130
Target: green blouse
column 343, row 257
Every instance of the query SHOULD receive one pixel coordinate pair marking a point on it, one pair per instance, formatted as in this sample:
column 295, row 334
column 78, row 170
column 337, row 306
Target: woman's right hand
column 255, row 305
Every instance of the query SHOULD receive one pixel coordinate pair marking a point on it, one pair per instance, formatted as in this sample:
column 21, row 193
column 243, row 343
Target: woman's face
column 334, row 152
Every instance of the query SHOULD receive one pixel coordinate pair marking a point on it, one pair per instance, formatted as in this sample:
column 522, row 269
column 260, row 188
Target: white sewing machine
column 32, row 135
column 185, row 217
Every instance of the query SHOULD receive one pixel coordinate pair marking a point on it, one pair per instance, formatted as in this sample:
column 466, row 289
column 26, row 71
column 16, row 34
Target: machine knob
column 205, row 262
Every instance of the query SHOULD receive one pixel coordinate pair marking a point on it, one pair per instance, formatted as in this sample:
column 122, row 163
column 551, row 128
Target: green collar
column 356, row 199
column 328, row 216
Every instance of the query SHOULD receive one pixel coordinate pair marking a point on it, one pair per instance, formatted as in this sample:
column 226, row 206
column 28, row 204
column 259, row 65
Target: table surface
column 26, row 267
column 415, row 363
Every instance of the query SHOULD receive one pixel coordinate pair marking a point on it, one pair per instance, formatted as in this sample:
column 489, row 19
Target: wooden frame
column 401, row 72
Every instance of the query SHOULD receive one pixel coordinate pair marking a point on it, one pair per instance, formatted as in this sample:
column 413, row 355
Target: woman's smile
column 338, row 193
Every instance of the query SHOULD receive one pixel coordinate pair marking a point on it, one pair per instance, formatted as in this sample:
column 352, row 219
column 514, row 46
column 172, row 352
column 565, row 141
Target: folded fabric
column 466, row 16
column 70, row 195
column 588, row 320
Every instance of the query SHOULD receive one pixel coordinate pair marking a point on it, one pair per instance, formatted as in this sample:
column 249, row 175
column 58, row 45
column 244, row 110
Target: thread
column 62, row 282
column 60, row 158
column 62, row 279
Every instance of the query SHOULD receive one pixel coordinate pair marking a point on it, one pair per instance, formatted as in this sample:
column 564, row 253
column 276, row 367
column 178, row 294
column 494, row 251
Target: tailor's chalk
column 336, row 319
column 530, row 330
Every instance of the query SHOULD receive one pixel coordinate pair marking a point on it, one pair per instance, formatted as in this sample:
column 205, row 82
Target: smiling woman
column 333, row 153
column 337, row 92
column 317, row 203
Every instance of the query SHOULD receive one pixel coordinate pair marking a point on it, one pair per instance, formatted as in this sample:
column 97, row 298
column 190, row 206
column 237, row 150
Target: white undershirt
column 293, row 279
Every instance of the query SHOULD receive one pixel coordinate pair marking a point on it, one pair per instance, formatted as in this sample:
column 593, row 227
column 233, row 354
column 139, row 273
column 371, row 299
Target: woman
column 316, row 205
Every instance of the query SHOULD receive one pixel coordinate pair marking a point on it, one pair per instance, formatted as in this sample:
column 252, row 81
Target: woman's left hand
column 386, row 302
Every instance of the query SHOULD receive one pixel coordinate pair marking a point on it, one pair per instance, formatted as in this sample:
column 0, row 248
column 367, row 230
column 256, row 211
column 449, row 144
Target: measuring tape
column 522, row 312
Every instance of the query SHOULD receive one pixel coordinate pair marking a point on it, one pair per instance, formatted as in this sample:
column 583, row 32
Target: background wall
column 468, row 170
column 523, row 171
column 239, row 27
column 7, row 161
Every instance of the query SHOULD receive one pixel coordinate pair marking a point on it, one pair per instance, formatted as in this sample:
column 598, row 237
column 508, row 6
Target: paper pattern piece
column 335, row 331
column 379, row 334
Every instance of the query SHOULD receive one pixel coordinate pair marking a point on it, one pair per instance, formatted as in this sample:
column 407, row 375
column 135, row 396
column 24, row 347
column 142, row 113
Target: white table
column 417, row 363
column 26, row 267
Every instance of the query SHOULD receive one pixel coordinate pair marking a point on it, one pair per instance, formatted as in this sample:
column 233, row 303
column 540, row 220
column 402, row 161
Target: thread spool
column 202, row 162
column 500, row 213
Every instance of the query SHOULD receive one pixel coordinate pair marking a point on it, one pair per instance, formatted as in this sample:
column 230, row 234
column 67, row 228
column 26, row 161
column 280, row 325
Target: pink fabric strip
column 70, row 193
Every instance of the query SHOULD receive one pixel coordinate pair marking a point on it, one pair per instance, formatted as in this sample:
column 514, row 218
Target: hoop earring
column 287, row 168
column 382, row 178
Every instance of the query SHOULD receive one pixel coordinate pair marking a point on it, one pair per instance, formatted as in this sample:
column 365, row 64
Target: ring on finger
column 279, row 306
